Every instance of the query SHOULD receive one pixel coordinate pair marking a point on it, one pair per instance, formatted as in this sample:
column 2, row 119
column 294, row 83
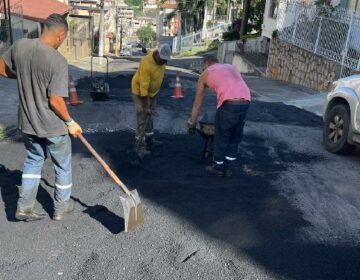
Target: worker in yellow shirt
column 145, row 85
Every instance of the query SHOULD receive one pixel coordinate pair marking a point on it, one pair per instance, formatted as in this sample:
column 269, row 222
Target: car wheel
column 336, row 130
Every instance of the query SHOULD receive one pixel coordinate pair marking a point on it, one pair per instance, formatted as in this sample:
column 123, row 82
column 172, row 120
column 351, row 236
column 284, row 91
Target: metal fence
column 199, row 38
column 331, row 33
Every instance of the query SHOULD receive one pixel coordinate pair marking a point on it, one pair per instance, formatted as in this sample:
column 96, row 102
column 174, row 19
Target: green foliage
column 136, row 3
column 324, row 7
column 2, row 133
column 138, row 11
column 256, row 16
column 274, row 34
column 231, row 35
column 251, row 36
column 198, row 50
column 137, row 6
column 214, row 44
column 146, row 34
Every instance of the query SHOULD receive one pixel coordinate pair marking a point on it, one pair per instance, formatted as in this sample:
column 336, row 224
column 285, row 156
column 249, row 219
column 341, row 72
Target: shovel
column 133, row 212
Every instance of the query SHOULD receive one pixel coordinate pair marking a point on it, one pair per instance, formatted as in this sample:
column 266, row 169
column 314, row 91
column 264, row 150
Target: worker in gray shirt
column 42, row 77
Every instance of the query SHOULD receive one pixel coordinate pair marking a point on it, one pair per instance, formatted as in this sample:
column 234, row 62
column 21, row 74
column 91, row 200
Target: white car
column 125, row 52
column 341, row 132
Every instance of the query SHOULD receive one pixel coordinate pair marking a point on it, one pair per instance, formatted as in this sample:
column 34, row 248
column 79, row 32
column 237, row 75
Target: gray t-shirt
column 41, row 72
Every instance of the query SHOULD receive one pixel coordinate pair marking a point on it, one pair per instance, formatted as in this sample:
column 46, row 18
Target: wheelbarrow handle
column 104, row 165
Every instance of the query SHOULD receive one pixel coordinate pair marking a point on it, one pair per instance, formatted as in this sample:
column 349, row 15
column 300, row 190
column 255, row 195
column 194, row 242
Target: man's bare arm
column 5, row 71
column 58, row 105
column 200, row 91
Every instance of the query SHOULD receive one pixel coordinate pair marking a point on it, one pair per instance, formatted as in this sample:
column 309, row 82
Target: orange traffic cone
column 74, row 99
column 178, row 89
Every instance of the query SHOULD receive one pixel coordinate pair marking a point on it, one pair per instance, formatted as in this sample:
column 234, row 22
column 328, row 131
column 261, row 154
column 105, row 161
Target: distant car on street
column 125, row 52
column 341, row 133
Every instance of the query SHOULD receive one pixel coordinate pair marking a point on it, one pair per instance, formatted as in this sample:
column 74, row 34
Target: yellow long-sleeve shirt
column 148, row 78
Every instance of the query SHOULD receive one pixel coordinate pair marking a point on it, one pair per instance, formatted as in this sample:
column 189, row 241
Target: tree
column 146, row 34
column 136, row 5
column 257, row 10
column 245, row 17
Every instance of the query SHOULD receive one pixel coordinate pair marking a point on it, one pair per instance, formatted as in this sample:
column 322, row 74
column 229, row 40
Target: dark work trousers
column 229, row 125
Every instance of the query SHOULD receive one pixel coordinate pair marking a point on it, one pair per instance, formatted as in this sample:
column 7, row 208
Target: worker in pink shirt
column 233, row 100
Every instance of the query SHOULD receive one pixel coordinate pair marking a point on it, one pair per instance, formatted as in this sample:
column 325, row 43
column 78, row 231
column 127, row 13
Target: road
column 290, row 212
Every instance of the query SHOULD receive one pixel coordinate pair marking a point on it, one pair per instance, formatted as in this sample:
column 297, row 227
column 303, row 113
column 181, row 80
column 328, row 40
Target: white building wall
column 269, row 24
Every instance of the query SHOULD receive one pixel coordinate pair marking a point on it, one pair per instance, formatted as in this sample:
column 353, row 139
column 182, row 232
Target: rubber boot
column 216, row 169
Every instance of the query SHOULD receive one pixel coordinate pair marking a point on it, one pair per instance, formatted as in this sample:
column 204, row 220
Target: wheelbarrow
column 100, row 85
column 207, row 132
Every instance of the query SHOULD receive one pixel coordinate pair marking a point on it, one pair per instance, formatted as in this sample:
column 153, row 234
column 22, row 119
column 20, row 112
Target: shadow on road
column 246, row 211
column 104, row 216
column 100, row 213
column 9, row 180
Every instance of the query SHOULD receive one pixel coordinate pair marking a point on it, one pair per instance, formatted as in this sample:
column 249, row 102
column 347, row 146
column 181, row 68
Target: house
column 272, row 8
column 85, row 22
column 150, row 5
column 315, row 44
column 169, row 22
column 26, row 16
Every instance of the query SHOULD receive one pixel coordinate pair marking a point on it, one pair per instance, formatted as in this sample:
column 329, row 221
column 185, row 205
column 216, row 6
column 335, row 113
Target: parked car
column 341, row 133
column 125, row 52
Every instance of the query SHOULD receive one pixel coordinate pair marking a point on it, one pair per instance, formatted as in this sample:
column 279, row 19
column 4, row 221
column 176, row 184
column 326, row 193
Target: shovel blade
column 133, row 211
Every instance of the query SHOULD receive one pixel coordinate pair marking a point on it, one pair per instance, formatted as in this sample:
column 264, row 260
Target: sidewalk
column 278, row 91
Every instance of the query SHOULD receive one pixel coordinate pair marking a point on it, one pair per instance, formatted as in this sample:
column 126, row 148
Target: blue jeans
column 229, row 125
column 59, row 148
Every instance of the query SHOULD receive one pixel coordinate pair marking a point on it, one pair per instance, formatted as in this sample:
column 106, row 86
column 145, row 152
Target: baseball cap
column 165, row 51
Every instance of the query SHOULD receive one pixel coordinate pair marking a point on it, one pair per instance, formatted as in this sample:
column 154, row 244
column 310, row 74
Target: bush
column 214, row 44
column 146, row 35
column 232, row 35
column 274, row 34
column 236, row 25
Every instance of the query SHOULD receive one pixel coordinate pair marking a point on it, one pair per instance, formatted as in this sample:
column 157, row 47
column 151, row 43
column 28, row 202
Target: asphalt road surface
column 290, row 212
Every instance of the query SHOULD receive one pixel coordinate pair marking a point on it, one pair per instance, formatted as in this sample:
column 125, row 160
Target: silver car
column 341, row 131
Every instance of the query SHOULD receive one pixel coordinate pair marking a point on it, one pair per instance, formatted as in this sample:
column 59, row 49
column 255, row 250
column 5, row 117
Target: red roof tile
column 39, row 10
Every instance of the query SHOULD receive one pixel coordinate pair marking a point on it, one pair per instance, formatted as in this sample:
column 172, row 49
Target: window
column 273, row 8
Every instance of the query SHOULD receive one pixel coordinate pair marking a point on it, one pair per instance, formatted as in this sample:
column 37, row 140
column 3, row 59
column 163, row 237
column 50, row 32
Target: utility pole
column 5, row 10
column 204, row 28
column 214, row 12
column 245, row 18
column 229, row 11
column 10, row 28
column 101, row 31
column 121, row 34
column 178, row 45
column 116, row 29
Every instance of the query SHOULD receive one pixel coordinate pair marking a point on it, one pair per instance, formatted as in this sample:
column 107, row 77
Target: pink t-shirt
column 227, row 82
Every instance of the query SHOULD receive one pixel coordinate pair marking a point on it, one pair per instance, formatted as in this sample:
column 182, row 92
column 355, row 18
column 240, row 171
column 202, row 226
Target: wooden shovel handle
column 104, row 165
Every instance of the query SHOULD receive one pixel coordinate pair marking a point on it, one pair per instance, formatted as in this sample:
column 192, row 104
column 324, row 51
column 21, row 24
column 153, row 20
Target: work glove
column 74, row 128
column 191, row 127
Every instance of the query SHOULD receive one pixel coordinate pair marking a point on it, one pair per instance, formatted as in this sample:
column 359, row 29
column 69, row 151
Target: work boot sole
column 69, row 209
column 211, row 171
column 29, row 217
